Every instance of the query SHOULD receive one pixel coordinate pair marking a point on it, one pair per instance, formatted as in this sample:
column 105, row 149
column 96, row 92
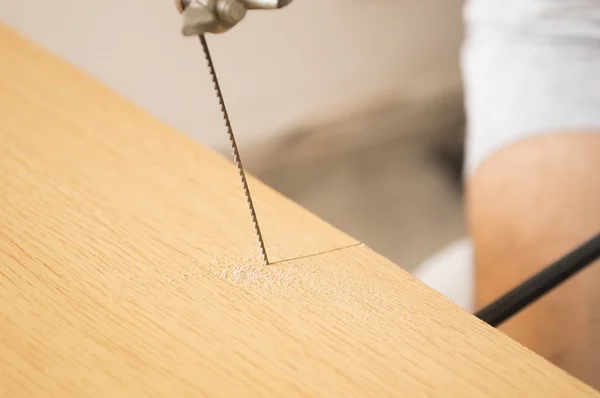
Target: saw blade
column 236, row 153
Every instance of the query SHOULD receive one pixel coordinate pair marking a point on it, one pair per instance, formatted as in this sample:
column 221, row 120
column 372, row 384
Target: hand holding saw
column 219, row 16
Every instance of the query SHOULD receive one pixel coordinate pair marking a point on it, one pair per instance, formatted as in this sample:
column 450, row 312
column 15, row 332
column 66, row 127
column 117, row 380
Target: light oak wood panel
column 129, row 268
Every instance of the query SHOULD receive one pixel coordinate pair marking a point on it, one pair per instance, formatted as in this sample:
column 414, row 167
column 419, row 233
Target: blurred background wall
column 315, row 60
column 351, row 108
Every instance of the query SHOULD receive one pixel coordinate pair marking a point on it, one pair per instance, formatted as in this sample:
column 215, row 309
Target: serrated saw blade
column 236, row 154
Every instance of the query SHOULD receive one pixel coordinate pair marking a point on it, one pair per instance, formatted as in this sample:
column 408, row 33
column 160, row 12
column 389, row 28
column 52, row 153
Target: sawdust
column 359, row 300
column 251, row 273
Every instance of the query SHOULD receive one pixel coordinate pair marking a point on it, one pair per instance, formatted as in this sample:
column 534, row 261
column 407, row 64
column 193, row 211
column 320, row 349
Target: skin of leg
column 527, row 205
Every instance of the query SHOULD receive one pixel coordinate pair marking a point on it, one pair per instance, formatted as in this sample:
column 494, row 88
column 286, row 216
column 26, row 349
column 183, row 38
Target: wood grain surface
column 128, row 268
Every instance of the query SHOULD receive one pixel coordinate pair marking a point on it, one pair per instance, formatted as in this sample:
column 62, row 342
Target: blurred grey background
column 389, row 176
column 351, row 108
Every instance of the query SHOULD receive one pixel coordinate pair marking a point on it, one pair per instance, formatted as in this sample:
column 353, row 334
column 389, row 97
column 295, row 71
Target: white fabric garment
column 450, row 272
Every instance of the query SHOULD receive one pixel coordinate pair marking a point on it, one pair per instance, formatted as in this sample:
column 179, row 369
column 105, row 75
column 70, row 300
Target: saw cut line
column 317, row 254
column 236, row 154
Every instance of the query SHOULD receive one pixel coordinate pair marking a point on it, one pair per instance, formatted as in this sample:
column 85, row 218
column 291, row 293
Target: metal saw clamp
column 218, row 16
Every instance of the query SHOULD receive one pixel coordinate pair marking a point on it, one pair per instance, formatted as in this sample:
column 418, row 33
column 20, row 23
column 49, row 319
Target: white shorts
column 529, row 67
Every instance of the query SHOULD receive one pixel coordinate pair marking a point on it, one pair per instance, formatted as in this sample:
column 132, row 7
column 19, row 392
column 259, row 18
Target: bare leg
column 527, row 205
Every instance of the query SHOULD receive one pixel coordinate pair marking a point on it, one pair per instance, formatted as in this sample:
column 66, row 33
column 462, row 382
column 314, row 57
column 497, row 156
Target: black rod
column 541, row 283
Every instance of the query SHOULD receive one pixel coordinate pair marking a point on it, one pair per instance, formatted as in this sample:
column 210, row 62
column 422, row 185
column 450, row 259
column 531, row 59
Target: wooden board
column 129, row 269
